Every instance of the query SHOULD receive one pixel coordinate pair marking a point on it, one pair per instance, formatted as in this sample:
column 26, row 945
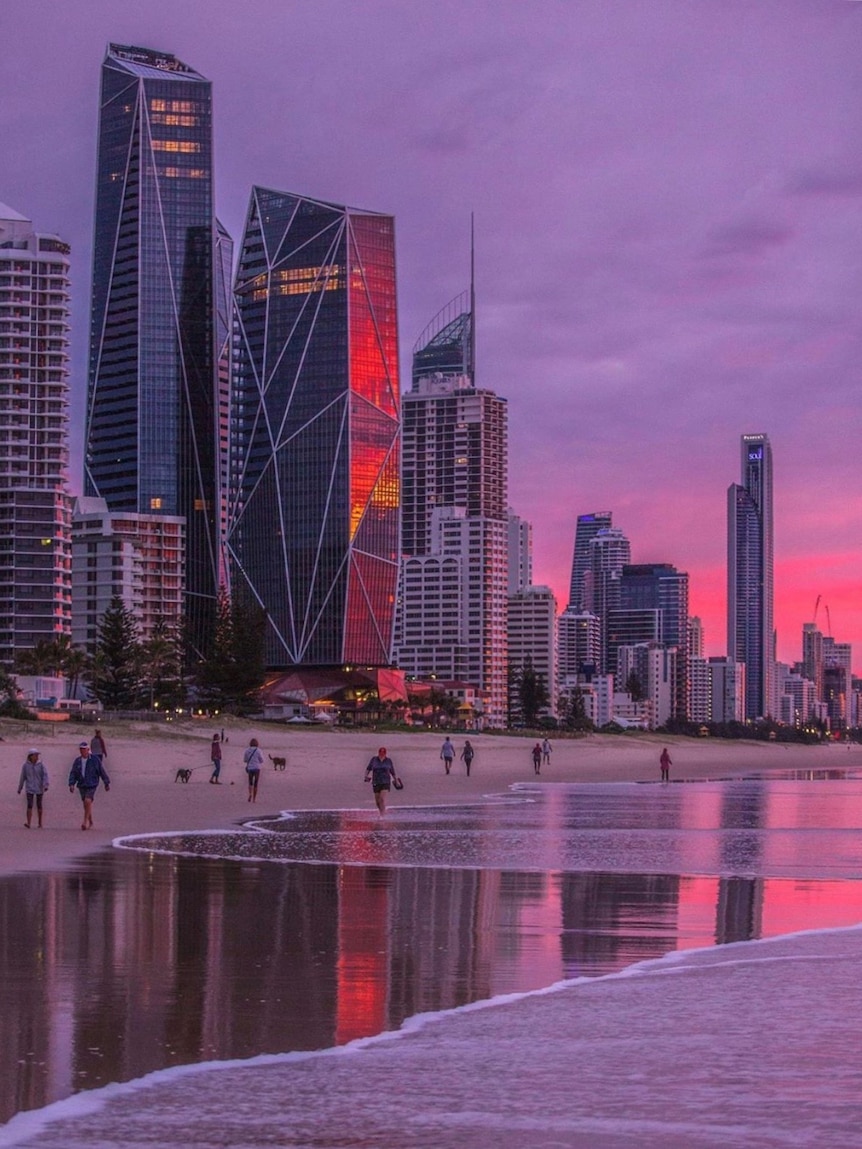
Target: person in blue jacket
column 86, row 773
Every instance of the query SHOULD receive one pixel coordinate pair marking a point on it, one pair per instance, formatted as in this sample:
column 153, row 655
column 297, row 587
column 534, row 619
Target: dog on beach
column 182, row 775
column 277, row 763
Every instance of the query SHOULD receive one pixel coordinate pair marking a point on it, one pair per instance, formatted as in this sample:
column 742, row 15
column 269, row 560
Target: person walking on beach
column 537, row 758
column 215, row 758
column 253, row 759
column 665, row 764
column 447, row 753
column 546, row 752
column 467, row 755
column 34, row 782
column 381, row 773
column 86, row 773
column 98, row 746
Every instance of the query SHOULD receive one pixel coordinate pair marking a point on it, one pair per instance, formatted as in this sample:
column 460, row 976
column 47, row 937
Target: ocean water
column 581, row 966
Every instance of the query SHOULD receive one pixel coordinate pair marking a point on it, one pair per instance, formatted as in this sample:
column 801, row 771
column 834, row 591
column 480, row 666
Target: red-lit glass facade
column 313, row 526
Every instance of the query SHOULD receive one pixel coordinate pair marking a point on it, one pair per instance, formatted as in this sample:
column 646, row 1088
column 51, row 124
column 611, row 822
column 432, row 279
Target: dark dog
column 183, row 775
column 278, row 763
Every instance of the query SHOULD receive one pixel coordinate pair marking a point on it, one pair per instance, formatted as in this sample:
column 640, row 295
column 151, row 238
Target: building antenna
column 472, row 304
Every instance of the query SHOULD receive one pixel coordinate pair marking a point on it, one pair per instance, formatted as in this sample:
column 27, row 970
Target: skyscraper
column 454, row 503
column 35, row 508
column 609, row 551
column 531, row 633
column 588, row 526
column 652, row 607
column 313, row 530
column 750, row 633
column 154, row 424
column 520, row 544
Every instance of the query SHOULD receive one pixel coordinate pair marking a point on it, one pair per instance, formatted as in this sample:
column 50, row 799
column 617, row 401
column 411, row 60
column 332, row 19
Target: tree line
column 127, row 672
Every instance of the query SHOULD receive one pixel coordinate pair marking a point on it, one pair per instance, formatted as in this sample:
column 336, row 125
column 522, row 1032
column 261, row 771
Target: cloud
column 752, row 238
column 829, row 180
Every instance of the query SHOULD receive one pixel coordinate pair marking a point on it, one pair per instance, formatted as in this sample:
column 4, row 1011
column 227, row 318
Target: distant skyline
column 668, row 206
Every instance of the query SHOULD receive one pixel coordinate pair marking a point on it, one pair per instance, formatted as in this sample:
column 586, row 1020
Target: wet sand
column 325, row 770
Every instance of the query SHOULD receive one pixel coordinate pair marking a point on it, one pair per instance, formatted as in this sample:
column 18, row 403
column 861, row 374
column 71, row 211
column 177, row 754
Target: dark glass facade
column 653, row 607
column 153, row 402
column 313, row 527
column 588, row 526
column 750, row 633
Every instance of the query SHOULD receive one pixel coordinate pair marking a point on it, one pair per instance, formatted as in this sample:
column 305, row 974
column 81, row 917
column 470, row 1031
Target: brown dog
column 278, row 763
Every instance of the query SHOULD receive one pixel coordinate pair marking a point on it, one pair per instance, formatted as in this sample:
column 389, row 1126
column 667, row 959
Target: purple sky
column 669, row 240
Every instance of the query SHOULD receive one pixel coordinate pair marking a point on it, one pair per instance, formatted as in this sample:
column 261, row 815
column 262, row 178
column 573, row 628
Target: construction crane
column 828, row 620
column 816, row 605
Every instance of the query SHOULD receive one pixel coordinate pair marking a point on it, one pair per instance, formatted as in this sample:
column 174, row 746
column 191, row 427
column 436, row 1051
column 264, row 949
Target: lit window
column 185, row 146
column 155, row 504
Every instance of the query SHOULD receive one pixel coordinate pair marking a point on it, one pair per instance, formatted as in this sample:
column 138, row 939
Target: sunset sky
column 668, row 205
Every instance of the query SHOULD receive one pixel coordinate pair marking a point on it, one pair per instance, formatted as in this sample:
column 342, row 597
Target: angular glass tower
column 313, row 532
column 750, row 634
column 153, row 415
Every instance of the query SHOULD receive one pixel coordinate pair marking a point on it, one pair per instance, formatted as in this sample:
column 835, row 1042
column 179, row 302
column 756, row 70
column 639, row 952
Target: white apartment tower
column 137, row 558
column 453, row 498
column 532, row 636
column 35, row 508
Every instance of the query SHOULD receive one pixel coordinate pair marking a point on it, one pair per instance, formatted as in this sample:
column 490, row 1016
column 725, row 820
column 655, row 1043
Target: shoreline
column 325, row 771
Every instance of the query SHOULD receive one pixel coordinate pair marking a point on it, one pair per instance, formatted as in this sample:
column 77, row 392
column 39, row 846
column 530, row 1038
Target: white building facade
column 35, row 507
column 139, row 559
column 532, row 615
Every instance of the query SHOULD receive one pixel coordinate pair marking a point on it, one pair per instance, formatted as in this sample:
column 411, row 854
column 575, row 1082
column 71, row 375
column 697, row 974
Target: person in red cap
column 380, row 771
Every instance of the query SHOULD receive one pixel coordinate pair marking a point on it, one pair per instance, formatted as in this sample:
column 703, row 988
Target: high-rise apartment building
column 155, row 410
column 653, row 665
column 455, row 459
column 652, row 607
column 136, row 558
column 699, row 689
column 35, row 508
column 579, row 641
column 609, row 550
column 450, row 611
column 727, row 682
column 588, row 526
column 750, row 630
column 313, row 531
column 532, row 616
column 520, row 546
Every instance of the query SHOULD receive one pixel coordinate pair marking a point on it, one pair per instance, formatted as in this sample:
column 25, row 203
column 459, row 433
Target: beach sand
column 325, row 770
column 747, row 1044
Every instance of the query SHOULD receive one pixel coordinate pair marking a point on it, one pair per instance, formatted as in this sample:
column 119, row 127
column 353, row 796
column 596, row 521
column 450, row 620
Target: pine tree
column 115, row 671
column 532, row 692
column 161, row 666
column 233, row 671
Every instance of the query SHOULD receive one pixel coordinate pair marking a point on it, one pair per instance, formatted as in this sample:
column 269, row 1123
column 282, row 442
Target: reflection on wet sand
column 137, row 961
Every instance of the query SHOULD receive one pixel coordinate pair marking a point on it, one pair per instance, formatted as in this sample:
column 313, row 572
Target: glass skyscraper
column 153, row 413
column 313, row 528
column 587, row 528
column 750, row 633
